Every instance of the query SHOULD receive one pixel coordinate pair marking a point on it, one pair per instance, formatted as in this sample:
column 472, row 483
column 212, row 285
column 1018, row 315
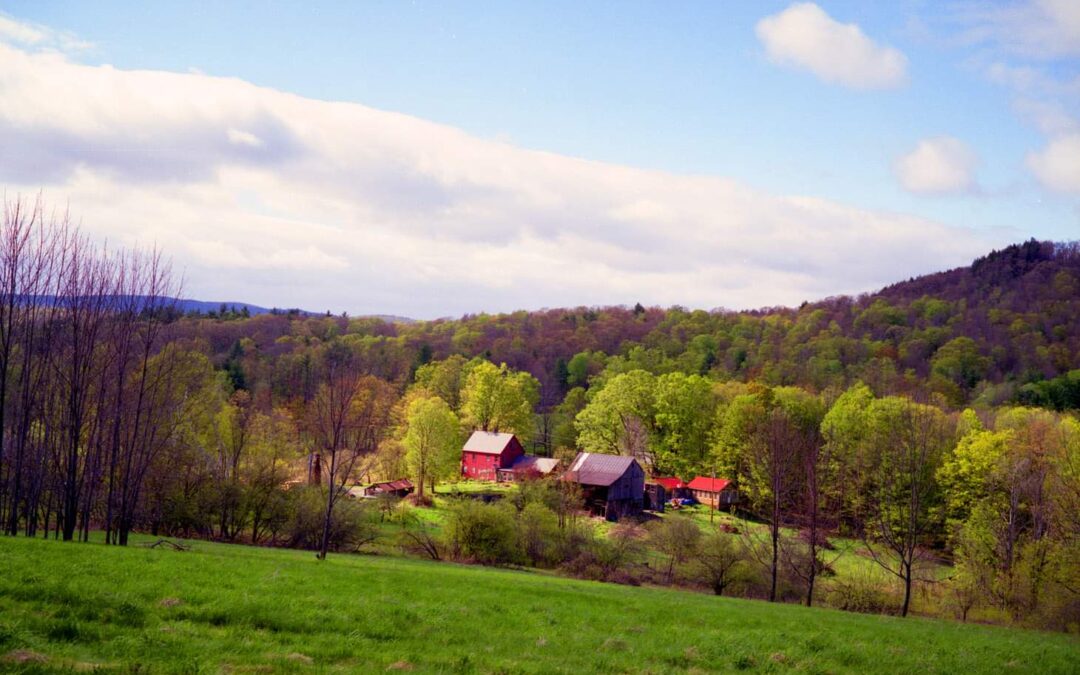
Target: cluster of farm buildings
column 611, row 485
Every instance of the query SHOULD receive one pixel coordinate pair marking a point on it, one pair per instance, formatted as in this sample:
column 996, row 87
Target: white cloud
column 1034, row 47
column 1044, row 29
column 240, row 137
column 941, row 165
column 23, row 33
column 34, row 35
column 277, row 199
column 1057, row 166
column 1049, row 117
column 803, row 35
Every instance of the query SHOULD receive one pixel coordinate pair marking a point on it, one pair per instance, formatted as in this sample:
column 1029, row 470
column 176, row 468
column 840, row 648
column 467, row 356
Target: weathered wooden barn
column 486, row 452
column 612, row 485
column 714, row 492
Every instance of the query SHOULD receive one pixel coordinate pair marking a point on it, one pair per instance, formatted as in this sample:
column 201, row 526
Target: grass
column 475, row 486
column 232, row 608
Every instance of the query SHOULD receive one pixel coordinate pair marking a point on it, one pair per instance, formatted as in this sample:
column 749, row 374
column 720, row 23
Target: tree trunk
column 812, row 574
column 325, row 545
column 907, row 589
column 330, row 499
column 775, row 558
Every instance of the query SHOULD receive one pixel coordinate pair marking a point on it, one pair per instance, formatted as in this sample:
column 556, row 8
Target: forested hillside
column 998, row 331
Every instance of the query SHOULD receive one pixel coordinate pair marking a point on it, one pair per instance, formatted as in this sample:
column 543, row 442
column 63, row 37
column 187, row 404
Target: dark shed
column 612, row 485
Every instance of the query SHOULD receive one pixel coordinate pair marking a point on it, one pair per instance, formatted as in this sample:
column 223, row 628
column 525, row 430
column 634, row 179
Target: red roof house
column 714, row 491
column 486, row 452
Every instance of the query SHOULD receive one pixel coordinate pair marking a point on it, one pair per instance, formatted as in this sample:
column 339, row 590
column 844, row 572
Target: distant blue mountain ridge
column 188, row 306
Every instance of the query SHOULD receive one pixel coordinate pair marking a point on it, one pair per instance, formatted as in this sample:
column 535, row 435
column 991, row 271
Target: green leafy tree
column 618, row 417
column 445, row 378
column 737, row 424
column 564, row 433
column 684, row 410
column 972, row 471
column 846, row 431
column 432, row 442
column 496, row 398
column 960, row 362
column 582, row 366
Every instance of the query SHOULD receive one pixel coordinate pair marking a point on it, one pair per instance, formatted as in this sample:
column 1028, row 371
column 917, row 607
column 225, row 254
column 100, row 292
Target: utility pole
column 716, row 499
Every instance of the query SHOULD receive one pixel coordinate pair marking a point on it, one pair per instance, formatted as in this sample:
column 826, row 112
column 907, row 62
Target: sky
column 433, row 159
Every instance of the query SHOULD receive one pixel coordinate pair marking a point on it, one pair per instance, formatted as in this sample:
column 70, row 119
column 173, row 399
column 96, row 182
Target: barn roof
column 590, row 468
column 529, row 463
column 488, row 442
column 670, row 482
column 709, row 484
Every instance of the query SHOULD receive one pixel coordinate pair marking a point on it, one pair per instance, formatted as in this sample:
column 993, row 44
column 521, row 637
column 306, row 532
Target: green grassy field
column 222, row 608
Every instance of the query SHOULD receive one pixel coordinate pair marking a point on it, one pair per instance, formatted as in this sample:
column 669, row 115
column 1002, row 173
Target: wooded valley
column 934, row 422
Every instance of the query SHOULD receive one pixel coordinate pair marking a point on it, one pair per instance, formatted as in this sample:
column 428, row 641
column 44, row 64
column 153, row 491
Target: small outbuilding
column 528, row 466
column 675, row 487
column 714, row 492
column 612, row 485
column 486, row 452
column 398, row 488
column 655, row 496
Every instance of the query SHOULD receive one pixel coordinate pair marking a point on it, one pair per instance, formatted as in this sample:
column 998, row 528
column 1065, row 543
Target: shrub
column 562, row 498
column 539, row 534
column 416, row 535
column 610, row 558
column 860, row 593
column 353, row 524
column 483, row 533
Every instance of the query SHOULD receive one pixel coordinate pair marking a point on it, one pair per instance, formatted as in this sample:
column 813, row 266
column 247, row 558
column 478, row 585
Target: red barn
column 486, row 452
column 715, row 492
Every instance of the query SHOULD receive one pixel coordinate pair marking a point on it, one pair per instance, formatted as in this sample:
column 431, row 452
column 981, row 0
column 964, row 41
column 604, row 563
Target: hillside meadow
column 230, row 608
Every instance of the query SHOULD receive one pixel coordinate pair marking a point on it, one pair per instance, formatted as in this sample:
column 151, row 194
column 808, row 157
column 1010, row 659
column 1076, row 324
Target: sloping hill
column 986, row 333
column 1028, row 267
column 226, row 608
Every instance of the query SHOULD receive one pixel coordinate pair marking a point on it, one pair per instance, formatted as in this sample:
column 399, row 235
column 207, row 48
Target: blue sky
column 791, row 101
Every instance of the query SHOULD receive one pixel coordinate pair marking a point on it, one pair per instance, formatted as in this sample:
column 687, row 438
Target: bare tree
column 773, row 451
column 345, row 420
column 27, row 275
column 810, row 510
column 139, row 374
column 87, row 287
column 718, row 559
column 677, row 538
